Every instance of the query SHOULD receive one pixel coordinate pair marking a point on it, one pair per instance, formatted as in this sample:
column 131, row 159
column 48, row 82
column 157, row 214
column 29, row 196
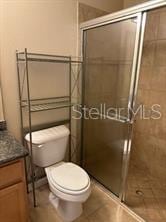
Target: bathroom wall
column 41, row 27
column 147, row 171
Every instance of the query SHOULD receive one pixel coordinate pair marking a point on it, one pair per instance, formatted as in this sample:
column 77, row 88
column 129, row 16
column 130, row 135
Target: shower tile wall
column 146, row 186
column 87, row 12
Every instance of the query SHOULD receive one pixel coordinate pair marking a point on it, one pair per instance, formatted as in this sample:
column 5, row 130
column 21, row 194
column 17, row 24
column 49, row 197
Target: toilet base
column 67, row 210
column 54, row 200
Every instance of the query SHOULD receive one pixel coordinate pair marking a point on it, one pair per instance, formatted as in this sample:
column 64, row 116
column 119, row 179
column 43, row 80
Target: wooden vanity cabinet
column 13, row 195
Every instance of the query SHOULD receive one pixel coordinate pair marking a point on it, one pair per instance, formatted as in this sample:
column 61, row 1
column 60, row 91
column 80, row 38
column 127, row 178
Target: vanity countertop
column 10, row 148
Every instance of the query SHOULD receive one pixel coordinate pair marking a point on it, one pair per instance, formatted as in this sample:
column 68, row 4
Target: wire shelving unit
column 30, row 105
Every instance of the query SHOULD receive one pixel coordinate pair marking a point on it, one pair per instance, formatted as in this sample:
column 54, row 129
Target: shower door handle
column 121, row 119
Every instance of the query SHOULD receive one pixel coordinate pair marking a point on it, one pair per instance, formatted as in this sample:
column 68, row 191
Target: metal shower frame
column 140, row 12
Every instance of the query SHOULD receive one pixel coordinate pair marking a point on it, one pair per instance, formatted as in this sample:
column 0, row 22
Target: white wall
column 41, row 26
column 106, row 5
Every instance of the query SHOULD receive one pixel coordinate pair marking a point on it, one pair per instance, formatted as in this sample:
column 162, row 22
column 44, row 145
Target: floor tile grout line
column 87, row 216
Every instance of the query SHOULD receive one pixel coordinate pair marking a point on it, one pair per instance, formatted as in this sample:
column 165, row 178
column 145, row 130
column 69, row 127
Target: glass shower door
column 109, row 75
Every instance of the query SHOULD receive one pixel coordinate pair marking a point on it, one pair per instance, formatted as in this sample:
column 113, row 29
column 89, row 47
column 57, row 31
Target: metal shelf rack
column 31, row 106
column 39, row 105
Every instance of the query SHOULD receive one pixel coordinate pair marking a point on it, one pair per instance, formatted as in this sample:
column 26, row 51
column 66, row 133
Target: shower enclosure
column 110, row 55
column 113, row 58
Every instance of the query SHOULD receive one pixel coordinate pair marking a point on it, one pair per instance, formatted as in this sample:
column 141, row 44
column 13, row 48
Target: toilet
column 69, row 184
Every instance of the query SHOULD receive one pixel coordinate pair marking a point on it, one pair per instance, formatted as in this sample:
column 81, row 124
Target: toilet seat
column 68, row 178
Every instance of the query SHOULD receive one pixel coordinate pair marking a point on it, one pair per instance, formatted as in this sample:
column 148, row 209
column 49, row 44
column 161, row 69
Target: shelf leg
column 33, row 184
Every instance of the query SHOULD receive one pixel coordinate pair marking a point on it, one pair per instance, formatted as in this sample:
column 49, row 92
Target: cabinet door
column 13, row 204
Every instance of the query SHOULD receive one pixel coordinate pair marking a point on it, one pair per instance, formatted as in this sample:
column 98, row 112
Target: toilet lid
column 69, row 176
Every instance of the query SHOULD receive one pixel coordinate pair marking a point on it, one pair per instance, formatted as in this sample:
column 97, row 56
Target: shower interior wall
column 146, row 184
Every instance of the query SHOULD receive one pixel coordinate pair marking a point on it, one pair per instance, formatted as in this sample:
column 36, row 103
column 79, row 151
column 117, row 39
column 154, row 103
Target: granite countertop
column 10, row 148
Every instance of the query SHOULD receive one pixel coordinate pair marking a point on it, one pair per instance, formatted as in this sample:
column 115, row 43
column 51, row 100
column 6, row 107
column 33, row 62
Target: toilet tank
column 49, row 145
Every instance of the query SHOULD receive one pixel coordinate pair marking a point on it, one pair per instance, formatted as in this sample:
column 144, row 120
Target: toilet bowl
column 69, row 183
column 71, row 186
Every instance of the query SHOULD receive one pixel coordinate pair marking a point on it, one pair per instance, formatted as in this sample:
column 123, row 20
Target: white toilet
column 69, row 183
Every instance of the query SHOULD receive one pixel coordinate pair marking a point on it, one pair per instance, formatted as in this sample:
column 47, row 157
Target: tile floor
column 100, row 207
column 150, row 203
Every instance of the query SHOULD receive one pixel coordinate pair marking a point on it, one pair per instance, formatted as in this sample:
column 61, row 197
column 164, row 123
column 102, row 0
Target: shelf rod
column 70, row 88
column 73, row 61
column 30, row 131
column 21, row 119
column 48, row 98
column 44, row 60
column 39, row 54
